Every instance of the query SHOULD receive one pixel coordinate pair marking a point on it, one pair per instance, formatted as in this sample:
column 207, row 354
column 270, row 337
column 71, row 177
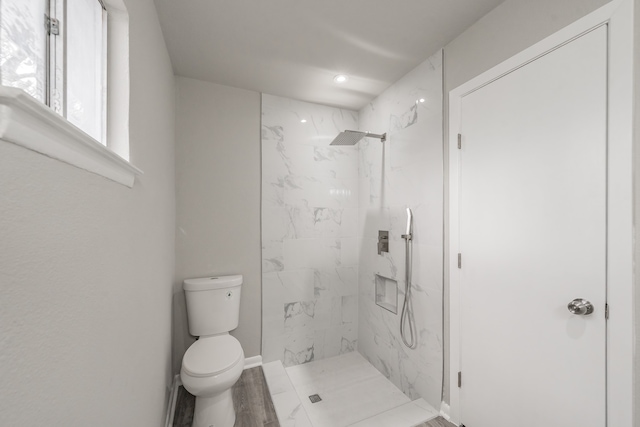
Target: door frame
column 618, row 16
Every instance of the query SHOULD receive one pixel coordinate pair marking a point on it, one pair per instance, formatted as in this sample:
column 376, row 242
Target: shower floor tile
column 409, row 414
column 353, row 393
column 350, row 387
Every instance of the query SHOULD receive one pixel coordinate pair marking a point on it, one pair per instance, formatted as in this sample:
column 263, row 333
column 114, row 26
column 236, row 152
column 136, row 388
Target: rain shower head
column 352, row 137
column 348, row 137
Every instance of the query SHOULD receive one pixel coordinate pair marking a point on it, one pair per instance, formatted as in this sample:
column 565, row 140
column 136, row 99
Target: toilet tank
column 213, row 304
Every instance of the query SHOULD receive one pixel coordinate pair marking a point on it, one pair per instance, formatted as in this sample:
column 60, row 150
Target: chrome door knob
column 580, row 307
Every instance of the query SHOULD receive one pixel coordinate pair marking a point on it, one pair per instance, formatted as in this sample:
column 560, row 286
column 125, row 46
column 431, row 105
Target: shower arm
column 382, row 137
column 352, row 137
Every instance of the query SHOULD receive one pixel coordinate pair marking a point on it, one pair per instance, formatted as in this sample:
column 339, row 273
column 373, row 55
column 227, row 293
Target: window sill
column 26, row 122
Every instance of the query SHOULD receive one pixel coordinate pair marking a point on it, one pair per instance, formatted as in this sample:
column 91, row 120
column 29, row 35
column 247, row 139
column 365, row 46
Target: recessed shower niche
column 387, row 293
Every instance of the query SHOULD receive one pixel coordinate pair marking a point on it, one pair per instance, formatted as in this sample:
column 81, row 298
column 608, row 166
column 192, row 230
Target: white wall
column 87, row 267
column 218, row 200
column 505, row 31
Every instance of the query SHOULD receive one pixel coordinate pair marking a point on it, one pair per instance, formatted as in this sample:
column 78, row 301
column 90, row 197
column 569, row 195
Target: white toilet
column 213, row 364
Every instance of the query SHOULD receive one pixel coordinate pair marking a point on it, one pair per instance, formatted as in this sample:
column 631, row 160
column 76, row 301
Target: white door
column 532, row 238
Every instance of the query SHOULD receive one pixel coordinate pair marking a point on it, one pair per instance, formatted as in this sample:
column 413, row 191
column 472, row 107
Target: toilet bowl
column 210, row 367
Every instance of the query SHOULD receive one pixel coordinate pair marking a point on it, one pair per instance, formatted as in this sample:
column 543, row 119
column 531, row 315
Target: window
column 55, row 50
column 55, row 59
column 22, row 46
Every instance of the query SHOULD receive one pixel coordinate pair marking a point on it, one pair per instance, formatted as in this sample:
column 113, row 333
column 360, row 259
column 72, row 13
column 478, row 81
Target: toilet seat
column 212, row 356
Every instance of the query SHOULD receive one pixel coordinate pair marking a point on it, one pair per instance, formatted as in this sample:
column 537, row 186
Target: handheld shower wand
column 407, row 307
column 409, row 225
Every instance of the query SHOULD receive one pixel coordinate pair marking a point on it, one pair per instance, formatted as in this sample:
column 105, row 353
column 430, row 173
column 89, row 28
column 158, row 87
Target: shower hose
column 407, row 319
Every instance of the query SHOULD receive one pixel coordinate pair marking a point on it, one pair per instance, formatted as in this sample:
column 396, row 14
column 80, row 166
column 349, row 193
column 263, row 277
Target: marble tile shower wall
column 309, row 232
column 406, row 171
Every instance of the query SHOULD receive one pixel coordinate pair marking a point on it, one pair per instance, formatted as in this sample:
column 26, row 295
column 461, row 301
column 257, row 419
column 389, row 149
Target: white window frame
column 31, row 124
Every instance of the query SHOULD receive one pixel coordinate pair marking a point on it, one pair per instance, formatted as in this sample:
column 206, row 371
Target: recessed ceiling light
column 421, row 100
column 303, row 121
column 340, row 78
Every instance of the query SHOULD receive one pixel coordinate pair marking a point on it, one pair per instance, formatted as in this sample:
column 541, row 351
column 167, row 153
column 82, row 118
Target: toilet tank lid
column 212, row 282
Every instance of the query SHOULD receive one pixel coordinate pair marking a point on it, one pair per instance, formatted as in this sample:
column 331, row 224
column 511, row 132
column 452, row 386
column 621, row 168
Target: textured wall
column 309, row 232
column 87, row 267
column 404, row 172
column 218, row 200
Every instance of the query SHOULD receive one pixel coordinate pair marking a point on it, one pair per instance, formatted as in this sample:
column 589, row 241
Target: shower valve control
column 383, row 241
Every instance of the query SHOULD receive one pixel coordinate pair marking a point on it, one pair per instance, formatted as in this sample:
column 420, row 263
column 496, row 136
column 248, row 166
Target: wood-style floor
column 253, row 404
column 251, row 400
column 438, row 422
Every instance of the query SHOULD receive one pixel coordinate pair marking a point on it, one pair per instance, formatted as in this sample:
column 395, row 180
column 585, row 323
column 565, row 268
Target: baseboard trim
column 445, row 411
column 171, row 409
column 252, row 362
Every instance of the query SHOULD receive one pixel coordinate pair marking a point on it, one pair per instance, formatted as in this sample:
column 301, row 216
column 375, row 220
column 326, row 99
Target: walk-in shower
column 322, row 277
column 352, row 137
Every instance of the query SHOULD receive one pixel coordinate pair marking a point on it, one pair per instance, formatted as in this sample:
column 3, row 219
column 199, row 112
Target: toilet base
column 216, row 411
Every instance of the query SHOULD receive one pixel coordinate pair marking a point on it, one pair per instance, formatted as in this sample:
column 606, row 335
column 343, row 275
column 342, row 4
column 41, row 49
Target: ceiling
column 294, row 48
